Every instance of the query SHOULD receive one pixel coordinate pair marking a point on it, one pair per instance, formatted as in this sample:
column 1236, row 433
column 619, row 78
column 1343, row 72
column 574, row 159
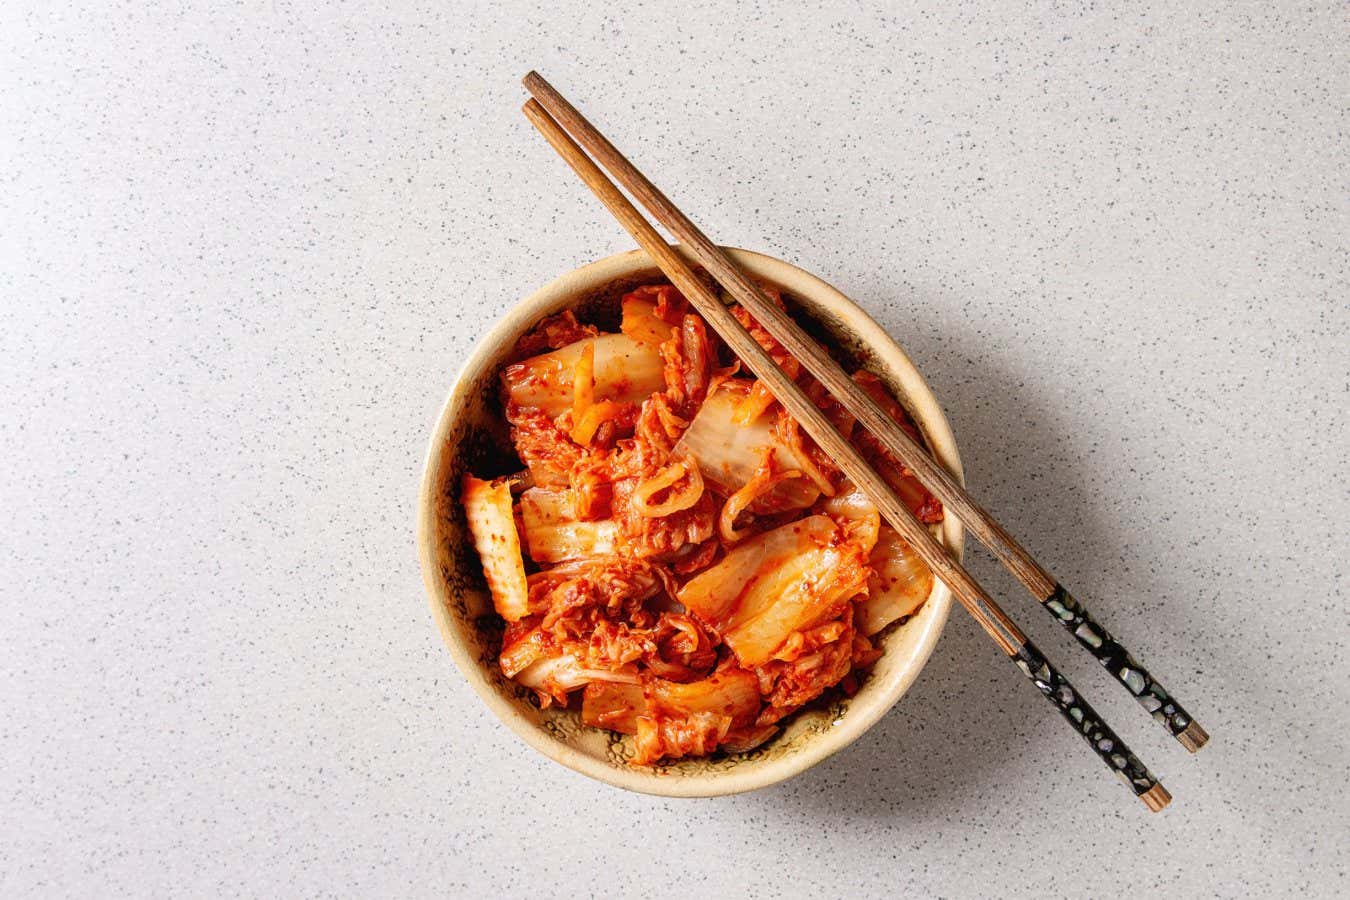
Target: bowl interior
column 471, row 436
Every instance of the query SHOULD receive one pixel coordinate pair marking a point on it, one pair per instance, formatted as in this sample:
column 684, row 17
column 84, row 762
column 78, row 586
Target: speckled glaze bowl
column 471, row 434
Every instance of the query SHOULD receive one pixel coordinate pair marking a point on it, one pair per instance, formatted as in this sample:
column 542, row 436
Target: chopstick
column 1066, row 610
column 1054, row 686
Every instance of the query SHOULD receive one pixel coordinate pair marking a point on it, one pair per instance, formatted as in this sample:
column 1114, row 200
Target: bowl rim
column 797, row 282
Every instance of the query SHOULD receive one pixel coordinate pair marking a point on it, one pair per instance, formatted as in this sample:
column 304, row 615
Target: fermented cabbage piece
column 553, row 534
column 731, row 692
column 536, row 660
column 776, row 583
column 640, row 319
column 625, row 370
column 487, row 507
column 853, row 511
column 564, row 673
column 899, row 585
column 801, row 680
column 910, row 490
column 926, row 507
column 729, row 453
column 542, row 446
column 613, row 706
column 673, row 737
column 672, row 719
column 692, row 719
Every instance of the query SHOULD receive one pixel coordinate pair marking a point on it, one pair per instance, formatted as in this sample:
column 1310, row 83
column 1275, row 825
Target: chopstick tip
column 1156, row 798
column 1193, row 737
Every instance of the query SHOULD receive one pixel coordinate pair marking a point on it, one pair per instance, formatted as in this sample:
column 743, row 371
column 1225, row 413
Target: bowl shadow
column 971, row 722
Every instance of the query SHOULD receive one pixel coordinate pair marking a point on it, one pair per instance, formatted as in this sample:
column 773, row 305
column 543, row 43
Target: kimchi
column 676, row 559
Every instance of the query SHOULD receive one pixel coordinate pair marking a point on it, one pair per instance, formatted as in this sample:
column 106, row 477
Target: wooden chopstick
column 986, row 612
column 1070, row 613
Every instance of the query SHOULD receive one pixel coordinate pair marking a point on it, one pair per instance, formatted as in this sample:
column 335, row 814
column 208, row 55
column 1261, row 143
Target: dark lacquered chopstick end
column 1156, row 798
column 1094, row 638
column 1104, row 742
column 1193, row 737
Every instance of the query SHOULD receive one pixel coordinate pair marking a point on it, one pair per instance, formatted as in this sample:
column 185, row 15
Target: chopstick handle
column 1123, row 668
column 1099, row 736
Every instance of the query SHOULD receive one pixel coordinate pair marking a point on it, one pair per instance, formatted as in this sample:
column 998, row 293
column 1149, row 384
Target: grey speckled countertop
column 244, row 249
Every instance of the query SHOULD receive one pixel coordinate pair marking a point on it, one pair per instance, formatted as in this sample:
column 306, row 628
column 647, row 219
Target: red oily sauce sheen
column 691, row 568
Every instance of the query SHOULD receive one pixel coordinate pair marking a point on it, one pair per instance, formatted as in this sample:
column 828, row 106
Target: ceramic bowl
column 470, row 433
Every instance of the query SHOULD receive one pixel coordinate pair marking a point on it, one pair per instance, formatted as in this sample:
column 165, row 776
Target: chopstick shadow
column 971, row 722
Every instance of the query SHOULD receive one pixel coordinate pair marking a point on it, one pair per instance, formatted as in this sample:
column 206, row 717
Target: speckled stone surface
column 244, row 249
